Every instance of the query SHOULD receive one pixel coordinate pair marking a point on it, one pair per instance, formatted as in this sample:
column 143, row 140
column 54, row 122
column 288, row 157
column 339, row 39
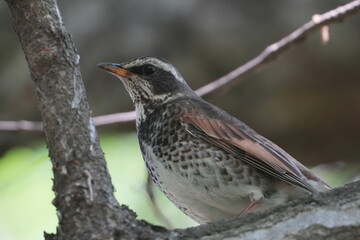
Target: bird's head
column 149, row 80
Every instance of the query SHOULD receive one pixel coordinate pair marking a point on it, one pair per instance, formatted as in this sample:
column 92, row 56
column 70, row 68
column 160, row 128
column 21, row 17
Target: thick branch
column 328, row 216
column 86, row 206
column 223, row 83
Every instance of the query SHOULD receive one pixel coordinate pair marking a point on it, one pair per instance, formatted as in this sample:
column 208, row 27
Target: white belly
column 203, row 198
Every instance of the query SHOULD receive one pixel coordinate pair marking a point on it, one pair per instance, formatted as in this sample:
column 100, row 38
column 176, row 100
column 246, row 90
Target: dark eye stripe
column 136, row 69
column 144, row 69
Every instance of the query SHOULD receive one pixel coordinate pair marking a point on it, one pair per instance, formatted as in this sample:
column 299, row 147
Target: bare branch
column 271, row 52
column 114, row 118
column 20, row 126
column 38, row 126
column 274, row 50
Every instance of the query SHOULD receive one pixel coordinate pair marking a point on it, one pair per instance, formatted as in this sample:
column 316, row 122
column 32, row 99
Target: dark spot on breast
column 159, row 141
column 184, row 174
column 165, row 131
column 165, row 142
column 172, row 124
column 238, row 169
column 186, row 150
column 223, row 171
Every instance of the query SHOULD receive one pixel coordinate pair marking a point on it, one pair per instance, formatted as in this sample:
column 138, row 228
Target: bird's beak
column 114, row 69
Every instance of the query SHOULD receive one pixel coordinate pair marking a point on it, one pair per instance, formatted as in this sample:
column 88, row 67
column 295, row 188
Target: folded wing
column 235, row 137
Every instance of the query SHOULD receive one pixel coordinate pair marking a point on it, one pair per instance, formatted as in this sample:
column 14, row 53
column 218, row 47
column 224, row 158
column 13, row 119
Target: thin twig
column 270, row 53
column 114, row 118
column 38, row 126
column 20, row 126
column 274, row 50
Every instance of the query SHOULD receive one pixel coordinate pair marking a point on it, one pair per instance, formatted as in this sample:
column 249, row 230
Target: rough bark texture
column 333, row 215
column 84, row 198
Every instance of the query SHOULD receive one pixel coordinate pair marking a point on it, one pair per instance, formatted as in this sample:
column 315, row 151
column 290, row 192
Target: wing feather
column 252, row 148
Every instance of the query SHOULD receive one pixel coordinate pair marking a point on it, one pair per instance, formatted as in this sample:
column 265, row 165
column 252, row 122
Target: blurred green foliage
column 25, row 188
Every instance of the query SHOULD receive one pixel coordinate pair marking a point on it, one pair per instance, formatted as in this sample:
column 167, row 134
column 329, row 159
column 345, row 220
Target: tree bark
column 333, row 215
column 86, row 206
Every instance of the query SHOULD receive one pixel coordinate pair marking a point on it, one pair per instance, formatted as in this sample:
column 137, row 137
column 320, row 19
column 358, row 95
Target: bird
column 211, row 165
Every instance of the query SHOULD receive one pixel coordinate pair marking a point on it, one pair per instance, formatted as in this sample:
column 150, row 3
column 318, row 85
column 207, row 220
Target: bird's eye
column 148, row 69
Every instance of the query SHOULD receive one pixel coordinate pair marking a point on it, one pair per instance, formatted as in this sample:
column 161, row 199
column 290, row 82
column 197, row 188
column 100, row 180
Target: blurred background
column 307, row 101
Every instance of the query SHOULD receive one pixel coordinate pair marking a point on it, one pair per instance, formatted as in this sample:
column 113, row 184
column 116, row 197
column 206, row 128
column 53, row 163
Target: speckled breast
column 188, row 170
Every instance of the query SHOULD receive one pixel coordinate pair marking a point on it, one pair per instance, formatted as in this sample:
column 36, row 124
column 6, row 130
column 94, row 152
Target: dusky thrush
column 208, row 163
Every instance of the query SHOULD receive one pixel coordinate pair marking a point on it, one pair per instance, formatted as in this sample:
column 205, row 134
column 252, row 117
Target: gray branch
column 86, row 211
column 85, row 203
column 274, row 50
column 333, row 215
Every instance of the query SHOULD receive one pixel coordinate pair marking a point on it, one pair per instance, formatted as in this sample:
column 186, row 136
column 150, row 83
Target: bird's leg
column 254, row 202
column 249, row 208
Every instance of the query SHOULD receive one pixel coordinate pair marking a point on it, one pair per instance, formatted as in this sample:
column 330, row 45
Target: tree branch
column 332, row 215
column 274, row 50
column 21, row 126
column 24, row 125
column 84, row 198
column 223, row 83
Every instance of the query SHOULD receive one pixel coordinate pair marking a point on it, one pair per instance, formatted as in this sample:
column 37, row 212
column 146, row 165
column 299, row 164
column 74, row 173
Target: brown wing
column 235, row 137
